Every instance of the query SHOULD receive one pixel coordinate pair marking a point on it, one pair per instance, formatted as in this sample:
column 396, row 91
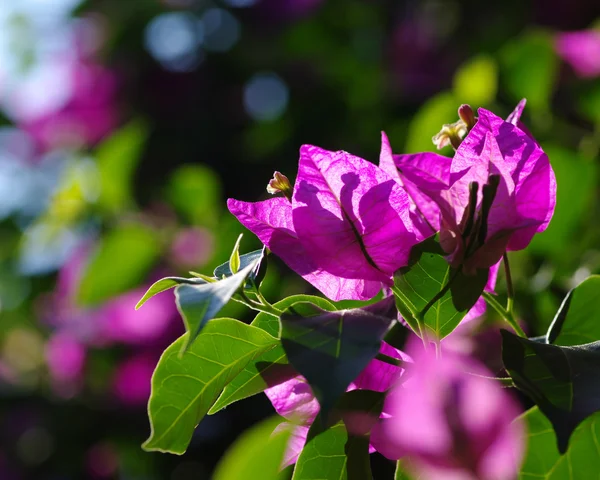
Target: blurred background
column 125, row 125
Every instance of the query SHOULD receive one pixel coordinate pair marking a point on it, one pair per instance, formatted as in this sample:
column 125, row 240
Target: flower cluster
column 347, row 225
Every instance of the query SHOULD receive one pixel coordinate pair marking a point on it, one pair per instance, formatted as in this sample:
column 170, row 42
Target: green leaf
column 270, row 368
column 332, row 453
column 529, row 66
column 429, row 120
column 117, row 158
column 165, row 284
column 543, row 460
column 330, row 349
column 476, row 81
column 185, row 386
column 564, row 382
column 234, row 259
column 225, row 270
column 425, row 276
column 121, row 261
column 197, row 304
column 255, row 454
column 578, row 318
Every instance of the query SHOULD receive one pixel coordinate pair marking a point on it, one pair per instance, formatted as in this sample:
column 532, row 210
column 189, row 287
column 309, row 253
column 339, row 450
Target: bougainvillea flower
column 347, row 229
column 494, row 194
column 295, row 401
column 581, row 50
column 451, row 422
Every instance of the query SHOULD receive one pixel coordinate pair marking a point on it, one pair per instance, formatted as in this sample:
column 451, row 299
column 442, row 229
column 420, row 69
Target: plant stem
column 505, row 381
column 505, row 314
column 510, row 292
column 254, row 305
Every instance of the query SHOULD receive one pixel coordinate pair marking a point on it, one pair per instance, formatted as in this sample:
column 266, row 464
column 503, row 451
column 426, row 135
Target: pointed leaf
column 165, row 284
column 330, row 349
column 234, row 259
column 257, row 453
column 184, row 387
column 224, row 270
column 332, row 453
column 543, row 460
column 578, row 318
column 271, row 368
column 425, row 276
column 197, row 304
column 563, row 381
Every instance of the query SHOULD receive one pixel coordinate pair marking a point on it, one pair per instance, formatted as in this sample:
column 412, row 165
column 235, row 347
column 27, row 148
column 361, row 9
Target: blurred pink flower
column 581, row 50
column 131, row 383
column 89, row 113
column 115, row 321
column 65, row 357
column 192, row 247
column 450, row 421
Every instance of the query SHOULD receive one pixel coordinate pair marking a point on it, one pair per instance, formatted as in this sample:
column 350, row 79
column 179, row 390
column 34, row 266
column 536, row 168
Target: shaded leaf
column 121, row 261
column 563, row 381
column 184, row 387
column 270, row 368
column 165, row 284
column 257, row 453
column 197, row 304
column 578, row 318
column 425, row 276
column 330, row 349
column 543, row 460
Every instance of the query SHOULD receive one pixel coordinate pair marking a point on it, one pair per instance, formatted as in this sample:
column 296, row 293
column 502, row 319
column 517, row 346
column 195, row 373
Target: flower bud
column 466, row 114
column 280, row 184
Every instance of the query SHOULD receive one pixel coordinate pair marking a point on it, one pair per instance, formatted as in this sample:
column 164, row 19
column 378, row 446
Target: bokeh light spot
column 265, row 96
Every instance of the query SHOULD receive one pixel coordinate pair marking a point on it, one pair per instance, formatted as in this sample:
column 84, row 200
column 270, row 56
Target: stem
column 390, row 360
column 505, row 314
column 254, row 305
column 509, row 285
column 505, row 381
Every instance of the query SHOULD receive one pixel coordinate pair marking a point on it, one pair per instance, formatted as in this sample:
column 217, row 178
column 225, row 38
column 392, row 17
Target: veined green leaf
column 184, row 387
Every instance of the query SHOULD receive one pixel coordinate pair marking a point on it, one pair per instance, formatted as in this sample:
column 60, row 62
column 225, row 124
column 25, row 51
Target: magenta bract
column 581, row 50
column 347, row 229
column 450, row 422
column 497, row 192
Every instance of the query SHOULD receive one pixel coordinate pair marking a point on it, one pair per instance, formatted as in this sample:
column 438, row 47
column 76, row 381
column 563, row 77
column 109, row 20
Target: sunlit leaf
column 542, row 458
column 332, row 453
column 197, row 304
column 166, row 284
column 425, row 276
column 185, row 386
